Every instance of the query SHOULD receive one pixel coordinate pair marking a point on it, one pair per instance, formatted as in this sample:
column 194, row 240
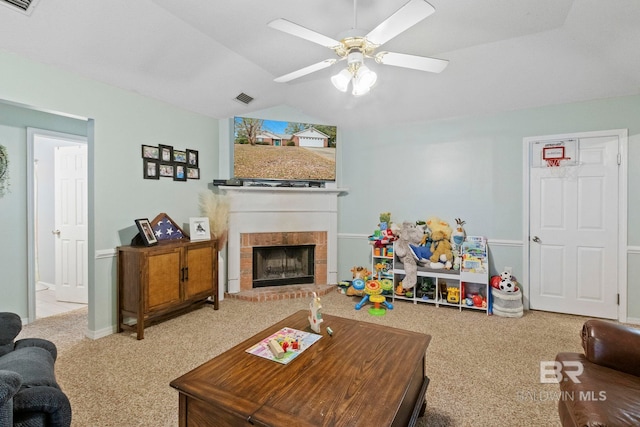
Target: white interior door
column 573, row 225
column 71, row 223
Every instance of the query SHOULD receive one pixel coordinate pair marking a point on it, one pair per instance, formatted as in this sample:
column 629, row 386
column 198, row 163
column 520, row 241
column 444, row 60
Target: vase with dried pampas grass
column 216, row 208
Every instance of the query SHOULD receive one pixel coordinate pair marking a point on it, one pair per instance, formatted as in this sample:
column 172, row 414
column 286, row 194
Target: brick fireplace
column 271, row 216
column 248, row 241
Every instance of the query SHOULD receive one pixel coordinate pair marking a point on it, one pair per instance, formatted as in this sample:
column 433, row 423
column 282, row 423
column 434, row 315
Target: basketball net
column 560, row 167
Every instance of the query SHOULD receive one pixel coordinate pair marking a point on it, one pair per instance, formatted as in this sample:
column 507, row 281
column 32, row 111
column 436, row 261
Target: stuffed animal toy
column 409, row 235
column 458, row 234
column 436, row 224
column 441, row 251
column 361, row 273
column 421, row 253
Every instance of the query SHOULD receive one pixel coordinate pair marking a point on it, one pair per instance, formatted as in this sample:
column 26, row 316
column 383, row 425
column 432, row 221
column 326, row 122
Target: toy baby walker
column 373, row 293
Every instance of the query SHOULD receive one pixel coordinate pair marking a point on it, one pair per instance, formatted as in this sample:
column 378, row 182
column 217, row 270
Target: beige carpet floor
column 484, row 370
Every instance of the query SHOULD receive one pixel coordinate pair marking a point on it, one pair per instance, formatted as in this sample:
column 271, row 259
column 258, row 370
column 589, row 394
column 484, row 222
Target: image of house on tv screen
column 283, row 151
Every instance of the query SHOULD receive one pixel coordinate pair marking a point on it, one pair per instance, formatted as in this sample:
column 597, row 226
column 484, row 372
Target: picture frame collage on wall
column 164, row 161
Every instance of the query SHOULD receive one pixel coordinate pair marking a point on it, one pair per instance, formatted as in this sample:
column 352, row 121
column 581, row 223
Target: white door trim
column 622, row 135
column 31, row 268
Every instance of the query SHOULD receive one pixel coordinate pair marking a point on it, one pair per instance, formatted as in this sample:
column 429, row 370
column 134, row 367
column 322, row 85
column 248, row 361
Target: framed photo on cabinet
column 146, row 232
column 199, row 228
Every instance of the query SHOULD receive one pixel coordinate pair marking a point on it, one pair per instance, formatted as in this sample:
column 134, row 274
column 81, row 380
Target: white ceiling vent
column 22, row 6
column 244, row 98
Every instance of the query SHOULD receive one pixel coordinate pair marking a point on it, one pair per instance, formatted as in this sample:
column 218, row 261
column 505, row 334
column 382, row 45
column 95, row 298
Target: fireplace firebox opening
column 283, row 265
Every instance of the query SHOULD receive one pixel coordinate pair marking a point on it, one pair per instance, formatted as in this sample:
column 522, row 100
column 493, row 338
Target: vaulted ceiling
column 200, row 54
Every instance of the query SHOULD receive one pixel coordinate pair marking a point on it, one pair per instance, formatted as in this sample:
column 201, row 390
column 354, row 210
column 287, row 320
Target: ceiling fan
column 354, row 47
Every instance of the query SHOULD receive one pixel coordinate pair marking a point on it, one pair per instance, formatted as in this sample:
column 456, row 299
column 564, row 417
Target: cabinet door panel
column 164, row 279
column 201, row 269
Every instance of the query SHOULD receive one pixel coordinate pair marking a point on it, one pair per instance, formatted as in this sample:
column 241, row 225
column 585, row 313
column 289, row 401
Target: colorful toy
column 360, row 272
column 373, row 293
column 387, row 286
column 356, row 288
column 358, row 285
column 315, row 316
column 441, row 252
column 495, row 282
column 453, row 295
column 409, row 234
column 384, row 235
column 458, row 234
column 506, row 282
column 381, row 268
column 477, row 300
column 436, row 224
column 421, row 253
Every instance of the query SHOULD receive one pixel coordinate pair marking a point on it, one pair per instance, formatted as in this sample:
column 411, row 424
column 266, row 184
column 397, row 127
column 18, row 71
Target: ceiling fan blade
column 403, row 19
column 306, row 70
column 302, row 32
column 421, row 63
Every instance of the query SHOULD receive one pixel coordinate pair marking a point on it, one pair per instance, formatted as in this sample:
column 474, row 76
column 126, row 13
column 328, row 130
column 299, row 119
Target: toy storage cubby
column 382, row 267
column 466, row 288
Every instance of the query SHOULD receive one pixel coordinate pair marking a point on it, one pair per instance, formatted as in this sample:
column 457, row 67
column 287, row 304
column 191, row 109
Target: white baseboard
column 633, row 320
column 101, row 333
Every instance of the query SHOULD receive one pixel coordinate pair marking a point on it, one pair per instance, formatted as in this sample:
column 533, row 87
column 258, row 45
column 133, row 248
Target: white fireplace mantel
column 280, row 209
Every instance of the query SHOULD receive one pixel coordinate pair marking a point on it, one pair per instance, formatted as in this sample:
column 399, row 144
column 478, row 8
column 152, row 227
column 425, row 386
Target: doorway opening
column 58, row 212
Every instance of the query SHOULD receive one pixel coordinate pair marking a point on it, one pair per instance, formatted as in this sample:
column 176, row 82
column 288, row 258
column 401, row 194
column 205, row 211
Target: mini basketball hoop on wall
column 560, row 158
column 554, row 156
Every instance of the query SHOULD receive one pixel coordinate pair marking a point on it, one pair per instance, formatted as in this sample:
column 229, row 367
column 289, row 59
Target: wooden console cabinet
column 160, row 281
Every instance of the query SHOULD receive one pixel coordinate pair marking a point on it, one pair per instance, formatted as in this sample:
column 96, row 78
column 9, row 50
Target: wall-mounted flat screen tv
column 283, row 151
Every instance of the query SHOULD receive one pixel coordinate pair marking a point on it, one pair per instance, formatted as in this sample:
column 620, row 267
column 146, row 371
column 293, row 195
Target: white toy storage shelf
column 467, row 288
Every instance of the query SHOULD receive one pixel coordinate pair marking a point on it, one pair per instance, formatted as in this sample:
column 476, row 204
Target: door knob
column 56, row 232
column 536, row 239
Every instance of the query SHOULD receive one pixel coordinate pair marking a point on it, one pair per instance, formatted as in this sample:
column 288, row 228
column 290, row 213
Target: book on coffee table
column 292, row 341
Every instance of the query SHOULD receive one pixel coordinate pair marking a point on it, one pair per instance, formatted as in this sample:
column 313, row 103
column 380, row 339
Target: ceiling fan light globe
column 341, row 80
column 361, row 86
column 359, row 90
column 366, row 77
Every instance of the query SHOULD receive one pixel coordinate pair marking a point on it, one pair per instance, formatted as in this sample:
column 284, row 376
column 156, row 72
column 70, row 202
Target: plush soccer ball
column 506, row 284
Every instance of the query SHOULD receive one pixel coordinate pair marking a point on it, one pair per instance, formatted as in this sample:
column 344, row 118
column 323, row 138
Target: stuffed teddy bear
column 441, row 251
column 436, row 224
column 409, row 235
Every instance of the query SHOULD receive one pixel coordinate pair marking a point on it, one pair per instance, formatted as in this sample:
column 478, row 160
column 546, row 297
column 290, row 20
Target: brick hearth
column 273, row 293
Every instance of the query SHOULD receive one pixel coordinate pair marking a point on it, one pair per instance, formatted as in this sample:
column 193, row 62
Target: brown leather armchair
column 602, row 386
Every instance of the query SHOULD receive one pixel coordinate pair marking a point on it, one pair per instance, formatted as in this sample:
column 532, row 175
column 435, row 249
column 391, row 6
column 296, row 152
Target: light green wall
column 123, row 121
column 470, row 168
column 466, row 167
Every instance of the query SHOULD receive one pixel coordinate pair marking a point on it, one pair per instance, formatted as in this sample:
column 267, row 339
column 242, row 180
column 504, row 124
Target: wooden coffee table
column 364, row 375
